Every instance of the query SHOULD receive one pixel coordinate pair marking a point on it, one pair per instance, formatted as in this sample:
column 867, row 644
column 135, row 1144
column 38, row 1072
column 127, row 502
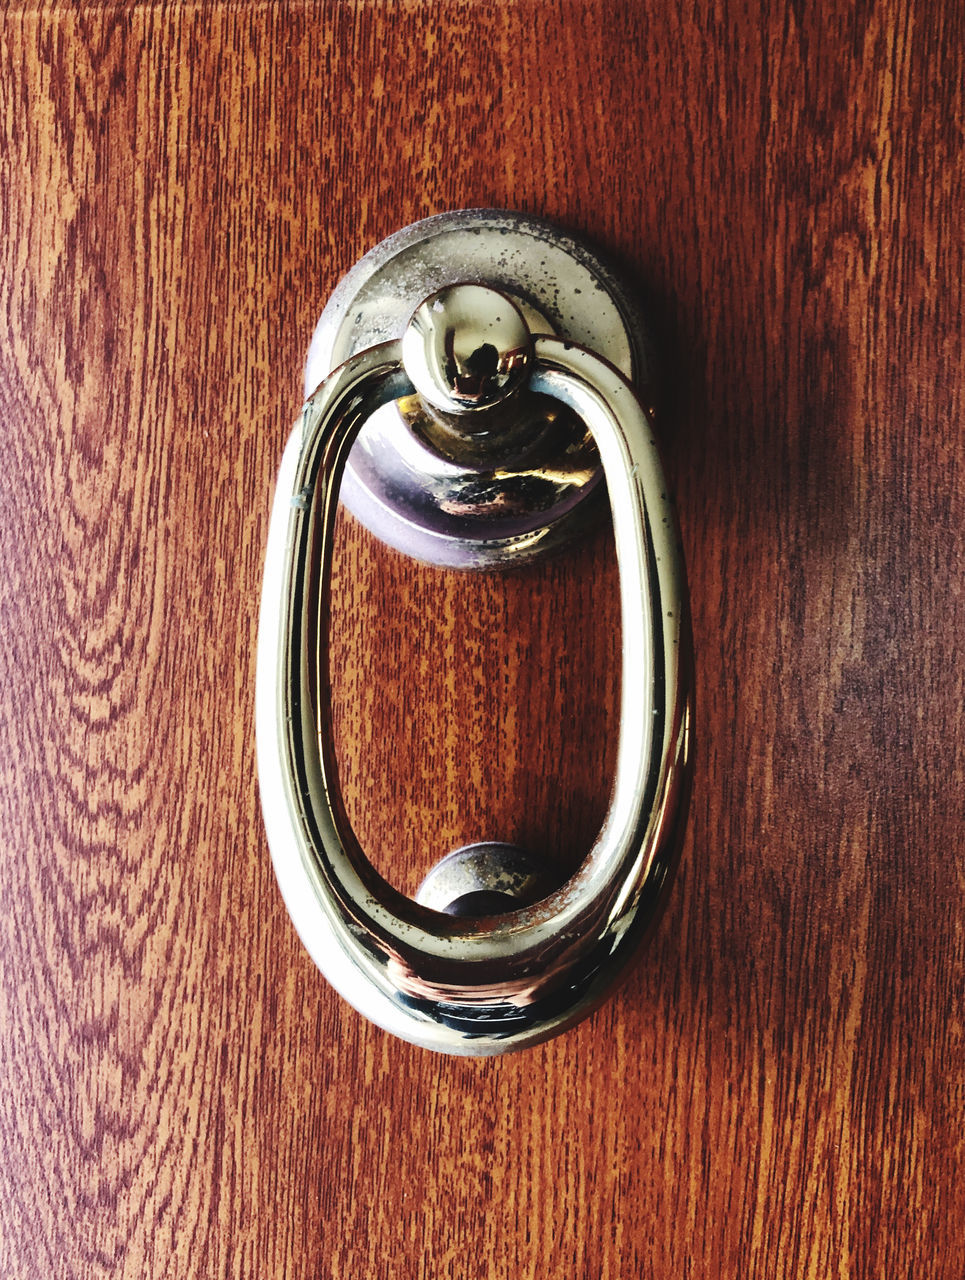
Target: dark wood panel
column 779, row 1089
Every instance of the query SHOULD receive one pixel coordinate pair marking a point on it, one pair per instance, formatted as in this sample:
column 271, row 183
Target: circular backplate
column 405, row 489
column 485, row 879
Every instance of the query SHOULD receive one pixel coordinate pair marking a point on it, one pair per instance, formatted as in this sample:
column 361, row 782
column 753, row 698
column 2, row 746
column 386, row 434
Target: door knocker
column 475, row 401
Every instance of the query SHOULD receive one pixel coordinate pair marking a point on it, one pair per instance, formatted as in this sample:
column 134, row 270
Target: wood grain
column 779, row 1089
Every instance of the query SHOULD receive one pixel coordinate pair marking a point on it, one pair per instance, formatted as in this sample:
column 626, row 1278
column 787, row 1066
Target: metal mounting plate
column 404, row 489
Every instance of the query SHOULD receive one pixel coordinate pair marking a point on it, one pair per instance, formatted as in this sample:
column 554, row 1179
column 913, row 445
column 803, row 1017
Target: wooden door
column 778, row 1090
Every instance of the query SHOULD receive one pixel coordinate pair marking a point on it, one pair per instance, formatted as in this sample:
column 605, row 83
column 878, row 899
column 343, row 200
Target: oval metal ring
column 474, row 987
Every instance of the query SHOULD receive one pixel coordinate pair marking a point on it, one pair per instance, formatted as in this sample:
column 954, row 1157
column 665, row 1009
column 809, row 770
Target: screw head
column 467, row 348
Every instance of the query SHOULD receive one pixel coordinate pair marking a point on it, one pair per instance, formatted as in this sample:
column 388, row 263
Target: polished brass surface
column 472, row 986
column 466, row 349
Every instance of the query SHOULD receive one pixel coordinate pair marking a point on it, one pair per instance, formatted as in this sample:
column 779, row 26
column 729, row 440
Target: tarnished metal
column 451, row 495
column 485, row 879
column 478, row 985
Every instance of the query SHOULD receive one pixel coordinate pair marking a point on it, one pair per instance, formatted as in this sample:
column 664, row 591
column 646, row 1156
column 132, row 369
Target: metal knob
column 467, row 348
column 488, row 959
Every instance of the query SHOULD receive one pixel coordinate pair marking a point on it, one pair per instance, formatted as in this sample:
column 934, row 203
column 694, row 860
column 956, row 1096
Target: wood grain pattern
column 779, row 1089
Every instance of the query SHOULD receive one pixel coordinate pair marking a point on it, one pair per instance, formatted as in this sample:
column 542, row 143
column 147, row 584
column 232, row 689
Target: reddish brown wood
column 779, row 1089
